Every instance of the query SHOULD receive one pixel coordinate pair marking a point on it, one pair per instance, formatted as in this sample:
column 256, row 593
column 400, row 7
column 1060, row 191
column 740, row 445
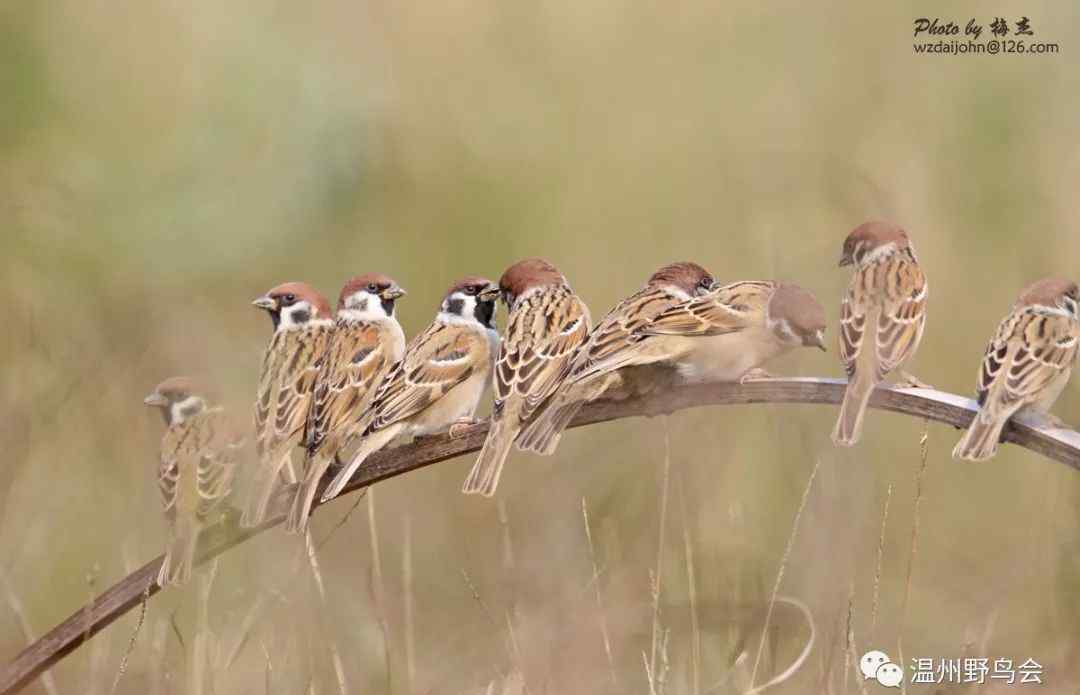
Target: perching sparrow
column 302, row 328
column 366, row 341
column 886, row 302
column 680, row 321
column 547, row 323
column 440, row 380
column 195, row 472
column 1027, row 363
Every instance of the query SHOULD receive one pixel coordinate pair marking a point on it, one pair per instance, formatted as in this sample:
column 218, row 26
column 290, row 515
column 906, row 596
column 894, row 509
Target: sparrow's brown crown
column 800, row 309
column 177, row 388
column 289, row 293
column 869, row 236
column 526, row 274
column 375, row 283
column 471, row 285
column 1049, row 292
column 689, row 277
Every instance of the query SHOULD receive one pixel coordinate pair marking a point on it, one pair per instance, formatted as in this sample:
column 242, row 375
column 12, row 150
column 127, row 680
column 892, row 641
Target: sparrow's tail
column 849, row 424
column 484, row 476
column 305, row 493
column 262, row 489
column 980, row 441
column 180, row 556
column 542, row 435
column 368, row 446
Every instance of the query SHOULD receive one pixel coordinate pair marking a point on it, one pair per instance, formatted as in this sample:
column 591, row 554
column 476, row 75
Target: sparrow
column 547, row 323
column 195, row 470
column 439, row 382
column 302, row 328
column 885, row 302
column 1027, row 363
column 682, row 321
column 366, row 341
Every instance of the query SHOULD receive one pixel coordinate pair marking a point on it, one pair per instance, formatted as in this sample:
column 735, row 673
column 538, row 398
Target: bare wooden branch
column 1056, row 444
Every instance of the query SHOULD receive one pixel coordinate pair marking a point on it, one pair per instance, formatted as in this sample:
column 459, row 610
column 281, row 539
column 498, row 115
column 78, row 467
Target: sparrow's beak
column 716, row 284
column 489, row 293
column 819, row 339
column 156, row 400
column 265, row 302
column 393, row 292
column 845, row 260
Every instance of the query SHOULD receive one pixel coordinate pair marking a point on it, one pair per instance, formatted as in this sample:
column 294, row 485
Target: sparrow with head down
column 547, row 323
column 1027, row 363
column 302, row 327
column 439, row 382
column 366, row 341
column 680, row 327
column 195, row 470
column 881, row 318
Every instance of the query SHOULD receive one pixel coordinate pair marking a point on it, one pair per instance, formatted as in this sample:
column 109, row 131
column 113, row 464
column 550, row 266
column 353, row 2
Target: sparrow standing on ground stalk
column 1027, row 363
column 302, row 327
column 547, row 323
column 440, row 381
column 195, row 473
column 881, row 319
column 367, row 340
column 682, row 323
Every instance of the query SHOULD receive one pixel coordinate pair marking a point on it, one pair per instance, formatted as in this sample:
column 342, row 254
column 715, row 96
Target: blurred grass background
column 163, row 163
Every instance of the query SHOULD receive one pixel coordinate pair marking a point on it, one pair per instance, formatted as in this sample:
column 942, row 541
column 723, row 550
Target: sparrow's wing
column 168, row 477
column 436, row 361
column 299, row 368
column 853, row 310
column 903, row 314
column 540, row 341
column 725, row 310
column 266, row 395
column 217, row 449
column 617, row 341
column 355, row 362
column 1030, row 351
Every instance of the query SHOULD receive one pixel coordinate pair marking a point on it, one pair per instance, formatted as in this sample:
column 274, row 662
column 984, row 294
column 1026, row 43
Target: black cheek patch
column 455, row 306
column 189, row 411
column 301, row 316
column 485, row 312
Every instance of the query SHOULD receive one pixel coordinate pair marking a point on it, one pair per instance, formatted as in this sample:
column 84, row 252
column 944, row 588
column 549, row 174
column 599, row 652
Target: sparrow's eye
column 289, row 298
column 472, row 290
column 373, row 288
column 705, row 283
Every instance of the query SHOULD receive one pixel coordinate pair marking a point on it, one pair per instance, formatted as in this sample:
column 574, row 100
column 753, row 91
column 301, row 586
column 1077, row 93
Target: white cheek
column 363, row 306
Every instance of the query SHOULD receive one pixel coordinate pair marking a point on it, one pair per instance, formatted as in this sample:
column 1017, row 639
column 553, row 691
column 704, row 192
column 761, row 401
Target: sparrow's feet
column 910, row 381
column 755, row 374
column 461, row 426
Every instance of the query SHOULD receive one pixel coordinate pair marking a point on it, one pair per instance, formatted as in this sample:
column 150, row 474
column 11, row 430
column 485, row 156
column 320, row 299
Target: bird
column 685, row 322
column 439, row 382
column 546, row 325
column 1027, row 363
column 195, row 471
column 302, row 327
column 366, row 341
column 885, row 301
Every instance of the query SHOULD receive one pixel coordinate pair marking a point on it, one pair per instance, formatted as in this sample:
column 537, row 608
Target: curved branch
column 1056, row 444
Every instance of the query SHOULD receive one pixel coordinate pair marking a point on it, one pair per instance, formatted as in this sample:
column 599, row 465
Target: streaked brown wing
column 1042, row 348
column 540, row 340
column 168, row 475
column 725, row 310
column 266, row 395
column 355, row 362
column 218, row 448
column 436, row 361
column 903, row 314
column 298, row 373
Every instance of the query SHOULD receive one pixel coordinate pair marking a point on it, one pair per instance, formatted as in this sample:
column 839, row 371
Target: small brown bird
column 367, row 340
column 440, row 381
column 1027, row 363
column 302, row 328
column 547, row 323
column 195, row 472
column 696, row 331
column 886, row 301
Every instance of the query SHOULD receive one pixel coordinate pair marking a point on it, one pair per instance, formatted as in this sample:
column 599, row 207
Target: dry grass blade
column 16, row 606
column 599, row 595
column 923, row 455
column 803, row 655
column 880, row 560
column 657, row 579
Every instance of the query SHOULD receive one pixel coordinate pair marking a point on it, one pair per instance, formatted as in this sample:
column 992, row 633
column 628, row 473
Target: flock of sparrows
column 341, row 386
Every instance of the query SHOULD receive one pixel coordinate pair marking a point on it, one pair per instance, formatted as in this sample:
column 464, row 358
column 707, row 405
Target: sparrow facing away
column 547, row 323
column 885, row 302
column 1027, row 363
column 441, row 379
column 302, row 327
column 366, row 341
column 195, row 472
column 683, row 322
